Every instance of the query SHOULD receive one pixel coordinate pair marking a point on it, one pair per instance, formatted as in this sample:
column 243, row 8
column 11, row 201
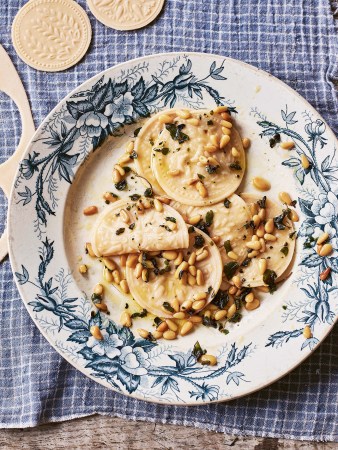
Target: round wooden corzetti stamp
column 125, row 14
column 51, row 35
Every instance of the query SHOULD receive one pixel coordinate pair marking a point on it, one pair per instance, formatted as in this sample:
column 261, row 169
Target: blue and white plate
column 68, row 165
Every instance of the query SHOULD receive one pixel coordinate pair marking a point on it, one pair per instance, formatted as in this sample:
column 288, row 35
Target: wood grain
column 100, row 432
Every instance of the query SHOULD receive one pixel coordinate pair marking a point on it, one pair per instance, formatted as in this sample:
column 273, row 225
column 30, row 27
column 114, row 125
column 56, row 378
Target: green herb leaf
column 221, row 299
column 168, row 307
column 227, row 246
column 136, row 132
column 133, row 155
column 285, row 250
column 237, row 317
column 262, row 203
column 191, row 229
column 210, row 168
column 163, row 150
column 201, row 177
column 210, row 122
column 199, row 241
column 121, row 186
column 209, row 322
column 96, row 298
column 134, row 197
column 292, row 235
column 235, row 166
column 148, row 192
column 269, row 278
column 279, row 220
column 176, row 132
column 120, row 231
column 209, row 217
column 141, row 314
column 171, row 219
column 131, row 226
column 197, row 351
column 166, row 228
column 227, row 203
column 230, row 269
column 157, row 321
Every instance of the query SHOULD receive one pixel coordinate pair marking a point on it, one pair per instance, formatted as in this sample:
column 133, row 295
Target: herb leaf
column 197, row 351
column 262, row 203
column 168, row 307
column 235, row 166
column 199, row 241
column 136, row 132
column 171, row 219
column 285, row 250
column 227, row 203
column 278, row 221
column 269, row 278
column 121, row 185
column 221, row 299
column 134, row 197
column 176, row 132
column 209, row 217
column 141, row 314
column 210, row 168
column 120, row 231
column 230, row 269
column 163, row 150
column 227, row 246
column 148, row 192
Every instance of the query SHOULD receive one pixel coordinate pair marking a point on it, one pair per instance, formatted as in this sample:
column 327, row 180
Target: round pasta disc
column 228, row 223
column 122, row 228
column 181, row 163
column 278, row 260
column 165, row 287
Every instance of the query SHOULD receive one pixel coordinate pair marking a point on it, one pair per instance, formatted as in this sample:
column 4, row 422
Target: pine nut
column 262, row 264
column 158, row 205
column 201, row 189
column 186, row 305
column 164, row 118
column 124, row 159
column 284, row 197
column 175, row 305
column 140, row 207
column 210, row 148
column 109, row 263
column 249, row 298
column 146, row 203
column 256, row 220
column 163, row 326
column 107, row 275
column 170, row 255
column 220, row 109
column 143, row 333
column 183, row 114
column 116, row 176
column 195, row 319
column 212, row 307
column 199, row 304
column 307, row 333
column 261, row 184
column 235, row 153
column 254, row 245
column 225, row 139
column 260, row 230
column 233, row 290
column 231, row 311
column 131, row 261
column 179, row 315
column 318, row 249
column 98, row 289
column 253, row 254
column 174, row 172
column 326, row 250
column 186, row 328
column 125, row 319
column 220, row 315
column 138, row 270
column 184, row 279
column 96, row 333
column 263, row 288
column 199, row 278
column 294, row 216
column 116, row 276
column 191, row 280
column 207, row 313
column 101, row 306
column 123, row 260
column 262, row 213
column 325, row 274
column 233, row 255
column 237, row 281
column 171, row 325
column 124, row 286
column 270, row 237
column 269, row 226
column 263, row 245
column 200, row 296
column 226, row 116
column 254, row 238
column 288, row 145
column 193, row 121
column 179, row 259
column 182, row 267
column 171, row 225
column 120, row 170
column 214, row 140
column 216, row 239
column 226, row 131
column 246, row 143
column 108, row 197
column 145, row 275
column 130, row 147
column 322, row 238
column 252, row 305
column 226, row 124
column 157, row 334
column 208, row 360
column 203, row 255
column 164, row 200
column 169, row 335
column 192, row 259
column 83, row 268
column 305, row 162
column 195, row 219
column 90, row 210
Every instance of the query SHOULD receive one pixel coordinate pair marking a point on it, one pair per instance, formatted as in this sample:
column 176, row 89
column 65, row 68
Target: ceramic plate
column 68, row 165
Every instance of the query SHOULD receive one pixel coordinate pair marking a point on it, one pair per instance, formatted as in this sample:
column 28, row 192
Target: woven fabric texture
column 294, row 40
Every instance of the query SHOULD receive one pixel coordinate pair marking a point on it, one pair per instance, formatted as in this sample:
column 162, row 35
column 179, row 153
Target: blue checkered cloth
column 293, row 40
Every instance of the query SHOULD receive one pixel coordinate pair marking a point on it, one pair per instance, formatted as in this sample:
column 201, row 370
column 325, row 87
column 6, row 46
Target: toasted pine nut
column 169, row 335
column 138, row 270
column 326, row 250
column 120, row 170
column 305, row 162
column 325, row 274
column 123, row 260
column 318, row 249
column 171, row 225
column 116, row 176
column 231, row 311
column 254, row 245
column 284, row 197
column 270, row 237
column 90, row 210
column 182, row 267
column 171, row 325
column 269, row 226
column 195, row 219
column 237, row 281
column 233, row 290
column 146, row 203
column 235, row 153
column 140, row 207
column 124, row 159
column 163, row 326
column 83, row 268
column 191, row 280
column 96, row 333
column 199, row 278
column 262, row 288
column 193, row 121
column 124, row 216
column 109, row 263
column 183, row 114
column 307, row 333
column 246, row 143
column 186, row 328
column 179, row 315
column 233, row 255
column 165, row 118
column 130, row 147
column 125, row 319
column 226, row 124
column 212, row 307
column 322, row 238
column 261, row 184
column 184, row 279
column 208, row 360
column 116, row 276
column 176, row 305
column 288, row 145
column 214, row 139
column 158, row 205
column 262, row 213
column 226, row 131
column 124, row 286
column 131, row 261
column 108, row 197
column 210, row 148
column 164, row 200
column 249, row 298
column 192, row 259
column 179, row 259
column 253, row 254
column 199, row 304
column 98, row 289
column 202, row 255
column 170, row 255
column 200, row 296
column 220, row 315
column 260, row 230
column 220, row 109
column 263, row 245
column 107, row 275
column 256, row 220
column 157, row 334
column 254, row 238
column 143, row 333
column 186, row 305
column 294, row 216
column 225, row 139
column 201, row 189
column 207, row 313
column 145, row 275
column 195, row 319
column 262, row 264
column 174, row 172
column 216, row 239
column 226, row 116
column 252, row 305
column 101, row 306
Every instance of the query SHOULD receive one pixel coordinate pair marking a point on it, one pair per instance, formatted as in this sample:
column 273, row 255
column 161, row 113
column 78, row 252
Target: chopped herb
column 157, row 321
column 269, row 278
column 166, row 228
column 230, row 269
column 227, row 246
column 209, row 217
column 176, row 132
column 209, row 322
column 136, row 132
column 133, row 155
column 163, row 150
column 278, row 221
column 171, row 219
column 150, row 338
column 191, row 229
column 201, row 177
column 134, row 197
column 221, row 299
column 148, row 192
column 168, row 307
column 166, row 269
column 309, row 243
column 210, row 168
column 141, row 314
column 126, row 306
column 121, row 186
column 210, row 122
column 199, row 241
column 241, row 298
column 235, row 166
column 151, row 142
column 249, row 224
column 96, row 298
column 201, row 225
column 223, row 330
column 120, row 231
column 292, row 235
column 246, row 262
column 262, row 203
column 284, row 307
column 127, row 169
column 198, row 351
column 131, row 226
column 236, row 317
column 285, row 250
column 227, row 203
column 293, row 203
column 209, row 289
column 274, row 140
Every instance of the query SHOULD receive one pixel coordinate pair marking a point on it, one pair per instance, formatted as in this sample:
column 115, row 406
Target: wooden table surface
column 100, row 432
